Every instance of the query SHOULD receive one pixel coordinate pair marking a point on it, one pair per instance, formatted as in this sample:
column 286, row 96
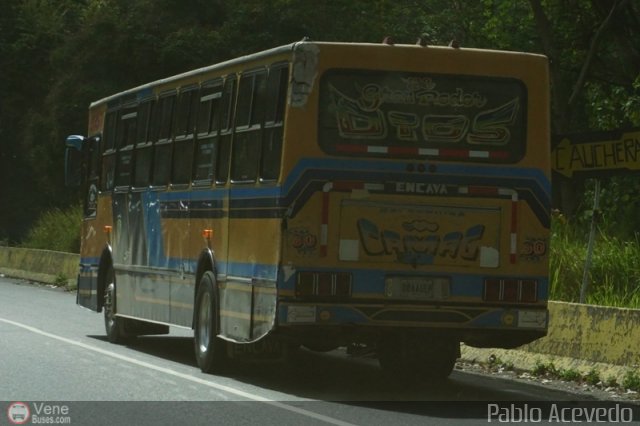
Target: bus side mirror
column 73, row 160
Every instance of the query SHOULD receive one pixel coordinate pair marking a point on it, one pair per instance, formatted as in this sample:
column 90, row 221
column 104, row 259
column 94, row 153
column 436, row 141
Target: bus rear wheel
column 417, row 357
column 209, row 348
column 114, row 326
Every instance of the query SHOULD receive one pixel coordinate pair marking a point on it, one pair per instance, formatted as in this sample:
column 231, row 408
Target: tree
column 60, row 55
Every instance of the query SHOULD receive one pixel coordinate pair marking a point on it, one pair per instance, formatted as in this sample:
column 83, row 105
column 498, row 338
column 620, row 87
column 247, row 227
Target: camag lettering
column 420, row 248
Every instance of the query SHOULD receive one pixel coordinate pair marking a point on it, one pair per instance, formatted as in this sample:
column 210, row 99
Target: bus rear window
column 415, row 115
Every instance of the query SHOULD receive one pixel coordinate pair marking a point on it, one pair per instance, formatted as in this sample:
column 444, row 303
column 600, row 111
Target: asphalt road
column 55, row 359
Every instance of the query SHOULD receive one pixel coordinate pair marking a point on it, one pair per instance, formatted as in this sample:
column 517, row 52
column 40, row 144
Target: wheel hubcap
column 204, row 322
column 108, row 305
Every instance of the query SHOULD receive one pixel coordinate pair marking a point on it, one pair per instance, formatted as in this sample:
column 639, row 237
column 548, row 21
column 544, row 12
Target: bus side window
column 277, row 85
column 109, row 155
column 208, row 129
column 226, row 128
column 183, row 135
column 161, row 126
column 144, row 145
column 248, row 127
column 126, row 131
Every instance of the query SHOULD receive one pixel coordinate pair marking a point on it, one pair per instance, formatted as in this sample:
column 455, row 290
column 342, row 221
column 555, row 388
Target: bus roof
column 177, row 77
column 129, row 94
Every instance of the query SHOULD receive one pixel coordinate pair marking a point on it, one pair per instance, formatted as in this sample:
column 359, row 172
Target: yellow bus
column 387, row 198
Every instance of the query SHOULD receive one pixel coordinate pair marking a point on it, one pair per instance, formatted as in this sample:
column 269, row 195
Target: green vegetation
column 614, row 274
column 570, row 374
column 84, row 50
column 543, row 370
column 496, row 363
column 592, row 377
column 57, row 230
column 630, row 381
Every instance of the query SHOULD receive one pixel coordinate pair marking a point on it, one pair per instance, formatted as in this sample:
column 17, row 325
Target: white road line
column 174, row 373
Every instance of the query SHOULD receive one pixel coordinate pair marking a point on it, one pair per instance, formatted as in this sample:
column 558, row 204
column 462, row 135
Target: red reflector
column 499, row 154
column 528, row 291
column 510, row 291
column 325, row 285
column 492, row 290
column 304, row 286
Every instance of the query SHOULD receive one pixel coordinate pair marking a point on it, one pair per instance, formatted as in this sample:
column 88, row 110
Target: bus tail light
column 492, row 290
column 323, row 284
column 305, row 284
column 528, row 291
column 510, row 290
column 343, row 284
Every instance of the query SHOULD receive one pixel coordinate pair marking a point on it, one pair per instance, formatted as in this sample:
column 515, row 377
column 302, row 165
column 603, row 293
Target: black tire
column 417, row 358
column 114, row 326
column 209, row 348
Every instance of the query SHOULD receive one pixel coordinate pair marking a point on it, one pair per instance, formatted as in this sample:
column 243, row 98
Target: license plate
column 417, row 288
column 532, row 319
column 301, row 313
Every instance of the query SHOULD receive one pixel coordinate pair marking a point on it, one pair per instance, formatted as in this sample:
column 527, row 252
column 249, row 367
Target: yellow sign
column 597, row 153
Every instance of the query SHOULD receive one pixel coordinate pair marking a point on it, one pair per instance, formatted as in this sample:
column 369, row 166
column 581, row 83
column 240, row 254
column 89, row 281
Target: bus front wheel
column 417, row 358
column 114, row 326
column 209, row 348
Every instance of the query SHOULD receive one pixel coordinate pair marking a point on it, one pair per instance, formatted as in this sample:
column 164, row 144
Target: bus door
column 87, row 294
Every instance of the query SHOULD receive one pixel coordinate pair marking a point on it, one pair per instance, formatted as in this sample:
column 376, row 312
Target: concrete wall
column 595, row 333
column 581, row 338
column 39, row 265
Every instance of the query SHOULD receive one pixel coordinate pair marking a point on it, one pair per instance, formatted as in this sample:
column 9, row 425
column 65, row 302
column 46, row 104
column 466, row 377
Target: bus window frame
column 515, row 153
column 143, row 141
column 123, row 133
column 253, row 126
column 279, row 115
column 212, row 131
column 189, row 136
column 109, row 153
column 163, row 139
column 226, row 130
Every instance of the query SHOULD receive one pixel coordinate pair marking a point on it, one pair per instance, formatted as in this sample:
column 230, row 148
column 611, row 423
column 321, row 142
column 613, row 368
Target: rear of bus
column 417, row 184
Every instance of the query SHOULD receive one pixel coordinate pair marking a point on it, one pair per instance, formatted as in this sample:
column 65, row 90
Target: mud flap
column 87, row 292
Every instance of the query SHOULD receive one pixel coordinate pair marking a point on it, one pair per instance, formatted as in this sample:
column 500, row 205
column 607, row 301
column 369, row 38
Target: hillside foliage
column 57, row 56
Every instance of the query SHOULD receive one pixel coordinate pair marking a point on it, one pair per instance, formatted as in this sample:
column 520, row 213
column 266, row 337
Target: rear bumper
column 504, row 327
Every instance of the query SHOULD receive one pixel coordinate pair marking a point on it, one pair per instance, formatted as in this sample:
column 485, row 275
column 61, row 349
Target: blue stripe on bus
column 253, row 192
column 309, row 176
column 239, row 269
column 463, row 285
column 339, row 169
column 336, row 165
column 365, row 281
